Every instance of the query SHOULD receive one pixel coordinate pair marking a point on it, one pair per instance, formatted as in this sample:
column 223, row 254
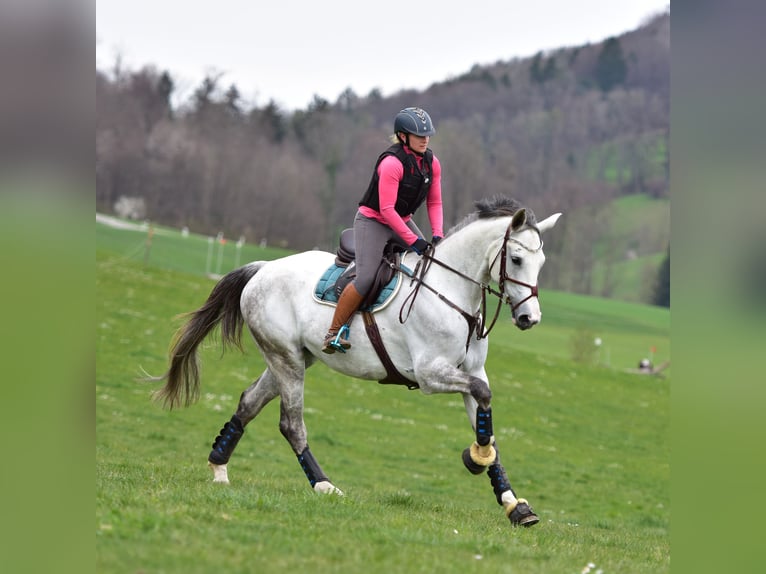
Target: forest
column 583, row 130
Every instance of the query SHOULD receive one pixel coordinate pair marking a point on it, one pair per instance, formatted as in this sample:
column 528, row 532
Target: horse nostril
column 524, row 322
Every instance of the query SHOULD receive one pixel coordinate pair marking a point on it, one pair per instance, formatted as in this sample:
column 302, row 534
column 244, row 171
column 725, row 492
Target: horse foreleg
column 251, row 402
column 516, row 509
column 440, row 378
column 482, row 452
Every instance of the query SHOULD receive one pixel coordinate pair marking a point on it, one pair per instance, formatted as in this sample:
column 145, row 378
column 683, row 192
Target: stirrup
column 338, row 343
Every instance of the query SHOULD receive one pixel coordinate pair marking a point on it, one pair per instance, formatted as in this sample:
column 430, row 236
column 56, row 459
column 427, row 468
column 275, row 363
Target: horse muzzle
column 525, row 314
column 525, row 321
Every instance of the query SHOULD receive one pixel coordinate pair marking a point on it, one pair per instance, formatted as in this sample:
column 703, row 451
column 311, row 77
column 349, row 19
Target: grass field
column 638, row 225
column 584, row 441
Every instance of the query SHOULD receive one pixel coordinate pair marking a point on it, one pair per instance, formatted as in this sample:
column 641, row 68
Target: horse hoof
column 326, row 487
column 472, row 467
column 523, row 515
column 220, row 473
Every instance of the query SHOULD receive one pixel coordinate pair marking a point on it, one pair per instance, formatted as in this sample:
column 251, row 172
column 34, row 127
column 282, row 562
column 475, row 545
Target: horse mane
column 496, row 206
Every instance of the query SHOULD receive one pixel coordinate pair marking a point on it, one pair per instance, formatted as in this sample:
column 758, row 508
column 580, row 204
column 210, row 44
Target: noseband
column 478, row 321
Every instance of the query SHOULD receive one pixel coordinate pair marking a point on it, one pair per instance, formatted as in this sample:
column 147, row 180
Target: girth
column 393, row 376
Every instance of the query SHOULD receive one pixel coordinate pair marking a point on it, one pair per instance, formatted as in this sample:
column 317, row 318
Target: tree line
column 568, row 130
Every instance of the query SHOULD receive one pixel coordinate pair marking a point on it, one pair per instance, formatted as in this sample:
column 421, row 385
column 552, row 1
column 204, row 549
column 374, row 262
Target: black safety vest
column 414, row 186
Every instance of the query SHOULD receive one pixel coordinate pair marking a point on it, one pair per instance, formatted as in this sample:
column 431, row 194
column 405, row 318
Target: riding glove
column 420, row 246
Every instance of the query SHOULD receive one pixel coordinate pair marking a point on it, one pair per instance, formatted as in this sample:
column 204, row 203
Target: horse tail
column 222, row 307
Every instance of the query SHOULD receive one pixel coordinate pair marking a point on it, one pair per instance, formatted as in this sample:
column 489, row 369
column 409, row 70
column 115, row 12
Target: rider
column 406, row 174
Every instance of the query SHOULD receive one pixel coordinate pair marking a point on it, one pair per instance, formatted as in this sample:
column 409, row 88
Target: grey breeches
column 370, row 238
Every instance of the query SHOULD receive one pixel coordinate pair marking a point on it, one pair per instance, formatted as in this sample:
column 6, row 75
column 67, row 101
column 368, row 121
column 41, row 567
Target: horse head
column 517, row 266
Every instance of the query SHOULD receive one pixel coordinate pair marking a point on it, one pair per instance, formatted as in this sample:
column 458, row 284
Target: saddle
column 343, row 271
column 385, row 286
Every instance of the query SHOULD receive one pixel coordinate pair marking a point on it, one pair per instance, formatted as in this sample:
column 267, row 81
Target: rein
column 478, row 321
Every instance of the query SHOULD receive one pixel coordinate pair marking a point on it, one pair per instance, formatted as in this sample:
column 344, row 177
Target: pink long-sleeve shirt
column 390, row 173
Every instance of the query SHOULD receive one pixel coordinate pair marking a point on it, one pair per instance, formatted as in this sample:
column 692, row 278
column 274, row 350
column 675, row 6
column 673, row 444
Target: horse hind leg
column 315, row 475
column 293, row 427
column 251, row 402
column 223, row 447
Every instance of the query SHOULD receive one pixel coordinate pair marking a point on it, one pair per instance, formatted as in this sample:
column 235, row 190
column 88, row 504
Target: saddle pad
column 324, row 292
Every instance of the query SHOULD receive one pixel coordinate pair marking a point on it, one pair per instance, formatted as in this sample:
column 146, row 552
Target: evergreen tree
column 272, row 120
column 165, row 87
column 549, row 72
column 540, row 73
column 662, row 287
column 535, row 69
column 233, row 99
column 611, row 68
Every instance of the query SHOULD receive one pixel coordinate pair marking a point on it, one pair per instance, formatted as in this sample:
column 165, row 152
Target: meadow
column 586, row 442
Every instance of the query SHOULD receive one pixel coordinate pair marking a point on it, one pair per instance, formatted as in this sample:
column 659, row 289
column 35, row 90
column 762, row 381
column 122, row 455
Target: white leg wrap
column 510, row 502
column 220, row 474
column 326, row 487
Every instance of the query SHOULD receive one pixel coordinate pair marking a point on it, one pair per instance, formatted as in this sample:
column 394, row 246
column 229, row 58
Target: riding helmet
column 414, row 121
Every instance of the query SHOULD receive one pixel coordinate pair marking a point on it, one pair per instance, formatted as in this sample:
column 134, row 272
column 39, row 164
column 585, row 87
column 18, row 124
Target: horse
column 437, row 341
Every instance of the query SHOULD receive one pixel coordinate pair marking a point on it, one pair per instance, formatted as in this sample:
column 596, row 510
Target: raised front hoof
column 523, row 515
column 472, row 467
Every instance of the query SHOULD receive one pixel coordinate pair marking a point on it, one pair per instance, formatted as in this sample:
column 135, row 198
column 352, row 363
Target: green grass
column 640, row 214
column 610, row 161
column 586, row 443
column 640, row 225
column 169, row 249
column 632, row 248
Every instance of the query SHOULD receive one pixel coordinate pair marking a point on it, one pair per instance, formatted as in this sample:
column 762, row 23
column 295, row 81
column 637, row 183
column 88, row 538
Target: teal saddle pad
column 324, row 291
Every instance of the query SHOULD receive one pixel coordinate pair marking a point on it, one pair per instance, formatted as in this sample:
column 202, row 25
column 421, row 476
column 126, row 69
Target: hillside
column 570, row 130
column 585, row 441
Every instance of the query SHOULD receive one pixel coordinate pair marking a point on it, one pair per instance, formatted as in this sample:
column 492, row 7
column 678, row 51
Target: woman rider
column 406, row 175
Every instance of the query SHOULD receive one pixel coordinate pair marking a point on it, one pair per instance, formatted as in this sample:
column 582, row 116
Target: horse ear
column 519, row 219
column 548, row 222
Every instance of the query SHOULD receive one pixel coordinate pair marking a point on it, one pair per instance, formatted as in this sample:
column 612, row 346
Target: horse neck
column 472, row 249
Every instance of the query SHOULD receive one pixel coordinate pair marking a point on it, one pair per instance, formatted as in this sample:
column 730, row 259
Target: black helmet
column 414, row 121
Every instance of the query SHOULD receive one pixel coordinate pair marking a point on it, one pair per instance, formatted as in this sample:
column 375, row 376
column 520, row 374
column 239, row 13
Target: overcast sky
column 290, row 50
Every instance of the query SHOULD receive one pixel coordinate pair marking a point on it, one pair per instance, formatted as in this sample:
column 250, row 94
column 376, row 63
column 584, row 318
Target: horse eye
column 516, row 260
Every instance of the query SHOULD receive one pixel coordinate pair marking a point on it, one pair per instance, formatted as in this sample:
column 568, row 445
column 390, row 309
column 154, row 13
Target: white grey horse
column 434, row 331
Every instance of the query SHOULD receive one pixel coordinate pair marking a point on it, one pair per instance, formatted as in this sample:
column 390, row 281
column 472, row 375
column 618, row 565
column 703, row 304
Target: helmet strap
column 409, row 147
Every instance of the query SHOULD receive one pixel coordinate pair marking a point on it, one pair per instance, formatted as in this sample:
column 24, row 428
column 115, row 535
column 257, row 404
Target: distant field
column 628, row 330
column 610, row 162
column 170, row 249
column 633, row 247
column 584, row 441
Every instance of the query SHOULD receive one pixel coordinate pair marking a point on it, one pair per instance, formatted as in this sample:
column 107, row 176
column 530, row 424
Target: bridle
column 503, row 276
column 478, row 321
